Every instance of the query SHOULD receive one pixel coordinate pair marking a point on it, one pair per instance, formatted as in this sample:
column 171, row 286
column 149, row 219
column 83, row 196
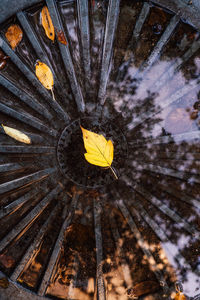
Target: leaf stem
column 114, row 173
column 53, row 94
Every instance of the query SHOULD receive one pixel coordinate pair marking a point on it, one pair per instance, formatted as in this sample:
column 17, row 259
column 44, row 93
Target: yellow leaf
column 14, row 35
column 17, row 135
column 44, row 74
column 47, row 24
column 180, row 296
column 99, row 151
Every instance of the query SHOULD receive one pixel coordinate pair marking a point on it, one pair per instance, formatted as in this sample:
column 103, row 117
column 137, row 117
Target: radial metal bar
column 143, row 245
column 34, row 245
column 111, row 24
column 55, row 254
column 139, row 24
column 13, row 184
column 25, row 97
column 182, row 196
column 174, row 138
column 13, row 206
column 161, row 43
column 26, row 149
column 30, row 218
column 167, row 211
column 33, row 79
column 176, row 164
column 9, row 167
column 66, row 56
column 99, row 250
column 169, row 73
column 83, row 17
column 170, row 172
column 32, row 36
column 27, row 119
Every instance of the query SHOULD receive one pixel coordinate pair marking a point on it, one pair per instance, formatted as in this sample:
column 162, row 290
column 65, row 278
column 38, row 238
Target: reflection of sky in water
column 175, row 109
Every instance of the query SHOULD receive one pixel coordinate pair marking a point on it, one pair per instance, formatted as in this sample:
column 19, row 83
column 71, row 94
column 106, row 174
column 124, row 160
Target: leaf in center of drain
column 100, row 152
column 47, row 24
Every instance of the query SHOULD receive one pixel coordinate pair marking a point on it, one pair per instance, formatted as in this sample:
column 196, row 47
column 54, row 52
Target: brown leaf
column 14, row 35
column 61, row 37
column 6, row 260
column 4, row 283
column 3, row 59
column 143, row 288
column 47, row 24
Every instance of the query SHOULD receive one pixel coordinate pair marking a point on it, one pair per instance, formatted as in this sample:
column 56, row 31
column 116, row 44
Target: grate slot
column 55, row 253
column 66, row 56
column 111, row 24
column 5, row 187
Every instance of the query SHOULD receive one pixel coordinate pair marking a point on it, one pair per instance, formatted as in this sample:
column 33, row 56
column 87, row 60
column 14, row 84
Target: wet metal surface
column 129, row 70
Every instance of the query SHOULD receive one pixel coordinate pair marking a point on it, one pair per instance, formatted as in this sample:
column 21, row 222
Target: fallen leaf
column 44, row 74
column 16, row 134
column 142, row 288
column 4, row 283
column 3, row 59
column 100, row 152
column 47, row 23
column 61, row 37
column 180, row 296
column 6, row 260
column 14, row 35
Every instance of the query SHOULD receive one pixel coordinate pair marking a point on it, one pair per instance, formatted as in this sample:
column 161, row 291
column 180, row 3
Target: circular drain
column 138, row 64
column 70, row 153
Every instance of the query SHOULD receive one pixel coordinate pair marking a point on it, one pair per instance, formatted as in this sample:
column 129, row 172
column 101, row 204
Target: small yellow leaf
column 14, row 35
column 44, row 74
column 99, row 151
column 17, row 135
column 47, row 24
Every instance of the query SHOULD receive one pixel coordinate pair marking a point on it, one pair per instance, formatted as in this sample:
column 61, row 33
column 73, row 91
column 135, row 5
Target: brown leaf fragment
column 3, row 59
column 6, row 260
column 47, row 24
column 4, row 283
column 61, row 37
column 14, row 35
column 143, row 288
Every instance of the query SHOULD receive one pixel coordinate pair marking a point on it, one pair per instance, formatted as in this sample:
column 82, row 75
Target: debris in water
column 3, row 59
column 143, row 288
column 14, row 35
column 61, row 37
column 47, row 23
column 4, row 283
column 16, row 134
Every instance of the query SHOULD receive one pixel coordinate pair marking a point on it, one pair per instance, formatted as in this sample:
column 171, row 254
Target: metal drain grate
column 129, row 70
